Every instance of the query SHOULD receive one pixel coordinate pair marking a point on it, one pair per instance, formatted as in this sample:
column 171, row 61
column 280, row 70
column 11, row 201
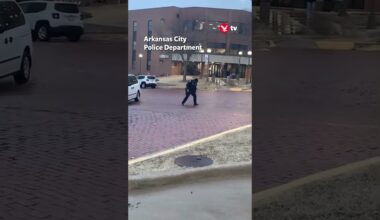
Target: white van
column 133, row 88
column 15, row 42
column 53, row 19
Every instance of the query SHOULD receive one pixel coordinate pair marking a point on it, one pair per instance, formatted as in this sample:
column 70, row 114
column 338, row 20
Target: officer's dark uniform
column 191, row 90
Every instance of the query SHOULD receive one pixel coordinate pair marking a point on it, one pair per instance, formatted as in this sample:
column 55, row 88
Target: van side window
column 12, row 15
column 33, row 7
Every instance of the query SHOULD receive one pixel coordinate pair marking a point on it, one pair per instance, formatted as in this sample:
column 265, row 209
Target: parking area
column 63, row 143
column 313, row 116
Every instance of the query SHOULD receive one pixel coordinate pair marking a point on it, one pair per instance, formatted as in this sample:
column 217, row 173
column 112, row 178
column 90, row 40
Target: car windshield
column 141, row 77
column 67, row 8
column 151, row 77
column 130, row 80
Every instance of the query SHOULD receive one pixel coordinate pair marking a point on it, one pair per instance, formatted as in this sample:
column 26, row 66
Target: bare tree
column 340, row 6
column 186, row 29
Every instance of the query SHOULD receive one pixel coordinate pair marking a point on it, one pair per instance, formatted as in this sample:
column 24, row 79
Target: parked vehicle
column 53, row 19
column 147, row 81
column 133, row 88
column 15, row 42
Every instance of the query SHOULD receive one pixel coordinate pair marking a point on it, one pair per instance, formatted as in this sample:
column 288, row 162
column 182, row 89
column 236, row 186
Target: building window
column 134, row 26
column 188, row 26
column 199, row 25
column 148, row 60
column 217, row 48
column 241, row 29
column 134, row 36
column 133, row 59
column 150, row 27
column 134, row 45
column 235, row 48
column 149, row 53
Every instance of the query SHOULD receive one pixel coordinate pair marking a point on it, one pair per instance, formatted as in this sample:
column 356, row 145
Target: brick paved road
column 160, row 122
column 63, row 136
column 314, row 110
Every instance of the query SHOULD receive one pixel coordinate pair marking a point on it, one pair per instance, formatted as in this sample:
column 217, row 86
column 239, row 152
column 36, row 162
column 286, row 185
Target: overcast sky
column 227, row 4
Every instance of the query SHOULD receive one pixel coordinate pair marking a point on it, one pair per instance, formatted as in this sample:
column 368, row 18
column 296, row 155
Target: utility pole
column 240, row 53
column 140, row 57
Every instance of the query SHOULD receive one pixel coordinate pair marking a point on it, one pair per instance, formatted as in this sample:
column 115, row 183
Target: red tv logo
column 225, row 28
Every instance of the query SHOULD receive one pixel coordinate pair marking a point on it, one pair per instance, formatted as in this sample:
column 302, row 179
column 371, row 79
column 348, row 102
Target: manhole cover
column 193, row 161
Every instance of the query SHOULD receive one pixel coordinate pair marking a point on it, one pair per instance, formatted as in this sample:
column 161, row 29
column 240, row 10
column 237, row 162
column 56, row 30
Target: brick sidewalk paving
column 160, row 122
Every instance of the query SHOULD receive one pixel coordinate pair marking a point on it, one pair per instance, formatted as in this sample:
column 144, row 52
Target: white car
column 147, row 81
column 133, row 88
column 15, row 42
column 53, row 19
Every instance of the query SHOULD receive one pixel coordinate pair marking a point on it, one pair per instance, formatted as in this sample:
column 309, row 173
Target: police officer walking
column 191, row 89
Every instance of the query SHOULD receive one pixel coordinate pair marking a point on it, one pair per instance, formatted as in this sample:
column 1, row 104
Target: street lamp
column 201, row 51
column 249, row 63
column 239, row 69
column 140, row 56
column 208, row 68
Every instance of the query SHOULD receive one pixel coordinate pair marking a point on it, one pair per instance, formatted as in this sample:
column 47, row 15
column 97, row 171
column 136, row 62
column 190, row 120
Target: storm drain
column 193, row 161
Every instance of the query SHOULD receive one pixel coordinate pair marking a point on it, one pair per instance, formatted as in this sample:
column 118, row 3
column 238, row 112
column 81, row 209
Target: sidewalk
column 265, row 43
column 228, row 148
column 221, row 191
column 350, row 192
column 213, row 199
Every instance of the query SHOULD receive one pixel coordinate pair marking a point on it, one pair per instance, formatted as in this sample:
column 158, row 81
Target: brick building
column 223, row 53
column 350, row 4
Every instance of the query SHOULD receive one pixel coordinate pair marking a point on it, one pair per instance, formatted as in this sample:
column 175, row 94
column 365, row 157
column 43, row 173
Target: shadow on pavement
column 9, row 87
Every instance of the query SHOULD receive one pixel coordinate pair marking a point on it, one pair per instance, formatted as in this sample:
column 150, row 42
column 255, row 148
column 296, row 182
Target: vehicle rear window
column 33, row 7
column 67, row 8
column 11, row 15
column 151, row 77
column 141, row 77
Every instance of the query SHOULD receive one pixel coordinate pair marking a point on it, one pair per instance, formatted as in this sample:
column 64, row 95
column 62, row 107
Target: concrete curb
column 172, row 86
column 267, row 195
column 326, row 44
column 187, row 145
column 335, row 45
column 105, row 37
column 183, row 176
column 90, row 28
